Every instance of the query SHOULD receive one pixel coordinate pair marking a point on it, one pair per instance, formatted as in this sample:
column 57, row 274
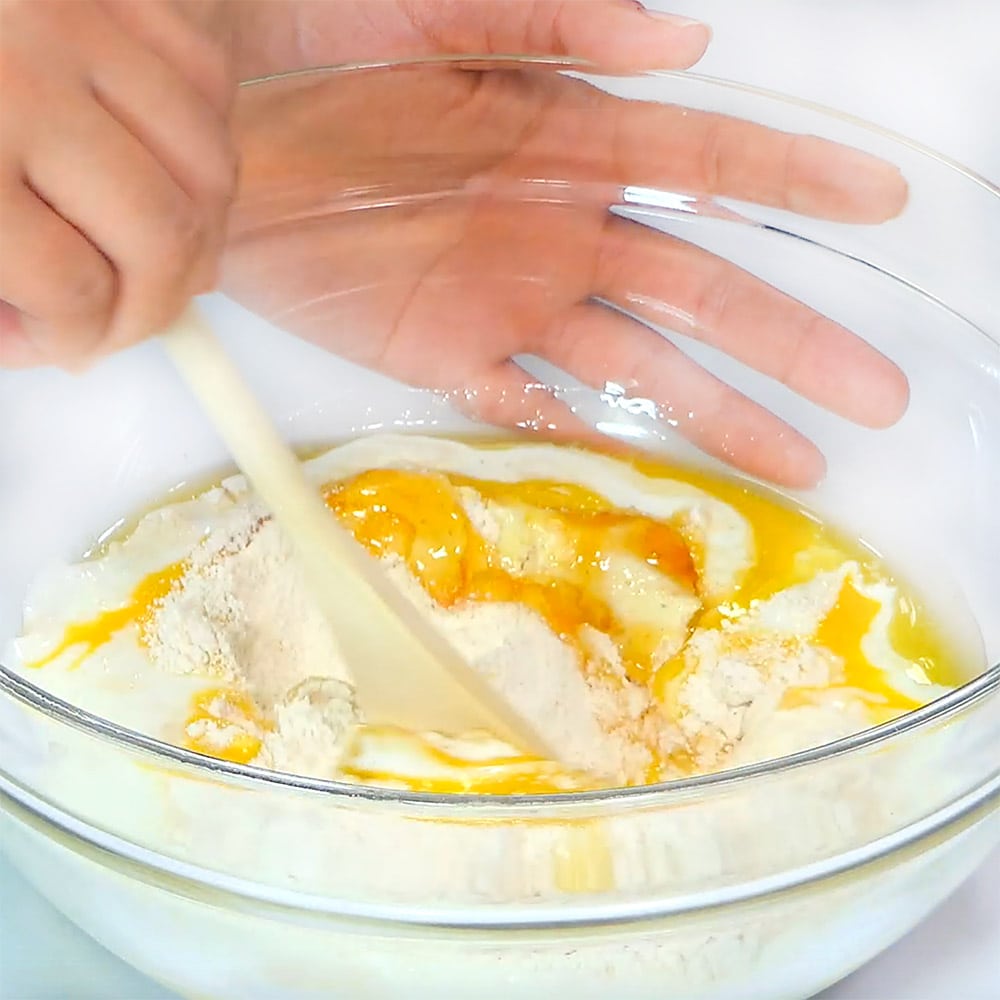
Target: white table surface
column 926, row 68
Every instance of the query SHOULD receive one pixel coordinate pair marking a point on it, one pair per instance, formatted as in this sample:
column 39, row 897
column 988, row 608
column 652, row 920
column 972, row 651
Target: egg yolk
column 225, row 723
column 419, row 518
column 842, row 633
column 139, row 610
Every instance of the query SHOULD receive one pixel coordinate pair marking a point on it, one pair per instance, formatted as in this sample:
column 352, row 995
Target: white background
column 927, row 68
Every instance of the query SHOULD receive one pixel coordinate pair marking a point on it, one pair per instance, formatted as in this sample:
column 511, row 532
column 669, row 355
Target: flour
column 243, row 613
column 313, row 726
column 732, row 677
column 729, row 697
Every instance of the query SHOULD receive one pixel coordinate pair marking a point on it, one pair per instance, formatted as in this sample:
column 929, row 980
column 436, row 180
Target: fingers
column 718, row 155
column 618, row 36
column 665, row 280
column 507, row 396
column 54, row 273
column 131, row 210
column 115, row 198
column 195, row 49
column 202, row 163
column 598, row 346
column 580, row 132
column 615, row 35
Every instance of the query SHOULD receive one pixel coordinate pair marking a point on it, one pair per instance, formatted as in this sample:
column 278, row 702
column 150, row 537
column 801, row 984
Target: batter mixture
column 653, row 622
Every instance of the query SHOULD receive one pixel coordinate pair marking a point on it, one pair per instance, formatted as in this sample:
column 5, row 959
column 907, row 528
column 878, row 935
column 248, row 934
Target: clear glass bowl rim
column 955, row 702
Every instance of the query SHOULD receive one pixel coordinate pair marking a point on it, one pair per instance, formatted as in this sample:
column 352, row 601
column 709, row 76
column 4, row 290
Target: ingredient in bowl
column 652, row 622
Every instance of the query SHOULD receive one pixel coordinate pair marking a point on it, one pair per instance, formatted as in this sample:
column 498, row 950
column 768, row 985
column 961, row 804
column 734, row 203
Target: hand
column 453, row 279
column 116, row 170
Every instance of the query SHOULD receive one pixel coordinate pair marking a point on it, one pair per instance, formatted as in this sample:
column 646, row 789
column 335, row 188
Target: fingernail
column 690, row 37
column 674, row 19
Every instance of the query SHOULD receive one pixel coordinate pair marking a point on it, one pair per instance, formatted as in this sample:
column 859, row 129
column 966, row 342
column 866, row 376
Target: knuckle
column 220, row 173
column 714, row 299
column 791, row 170
column 206, row 277
column 712, row 155
column 183, row 236
column 556, row 27
column 182, row 264
column 218, row 71
column 211, row 71
column 86, row 292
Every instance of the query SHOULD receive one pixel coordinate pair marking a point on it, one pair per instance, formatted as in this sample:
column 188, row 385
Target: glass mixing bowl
column 772, row 880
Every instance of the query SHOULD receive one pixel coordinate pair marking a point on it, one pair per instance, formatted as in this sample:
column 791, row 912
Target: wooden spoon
column 404, row 672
